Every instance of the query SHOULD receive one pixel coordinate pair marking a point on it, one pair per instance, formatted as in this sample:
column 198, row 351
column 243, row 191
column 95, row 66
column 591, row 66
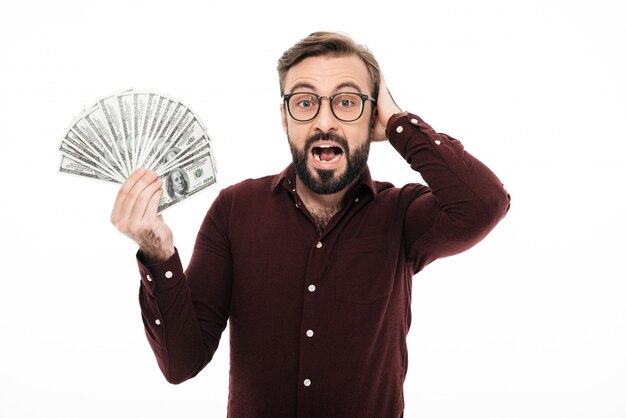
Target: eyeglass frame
column 364, row 98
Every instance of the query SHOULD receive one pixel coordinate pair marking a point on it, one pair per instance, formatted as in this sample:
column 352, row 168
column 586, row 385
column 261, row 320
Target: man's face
column 177, row 182
column 328, row 154
column 169, row 156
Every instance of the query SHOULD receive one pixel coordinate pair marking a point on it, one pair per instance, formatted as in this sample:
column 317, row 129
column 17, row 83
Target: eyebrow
column 303, row 85
column 348, row 84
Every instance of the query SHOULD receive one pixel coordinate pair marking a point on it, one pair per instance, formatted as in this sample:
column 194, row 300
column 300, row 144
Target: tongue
column 327, row 154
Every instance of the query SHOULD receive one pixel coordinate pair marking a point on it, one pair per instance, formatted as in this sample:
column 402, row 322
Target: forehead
column 324, row 74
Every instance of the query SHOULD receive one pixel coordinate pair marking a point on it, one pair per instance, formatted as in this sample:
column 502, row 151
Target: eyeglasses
column 346, row 107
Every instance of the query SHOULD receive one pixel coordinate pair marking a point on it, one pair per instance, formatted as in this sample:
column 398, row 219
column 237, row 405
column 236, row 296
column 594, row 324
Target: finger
column 123, row 192
column 383, row 83
column 153, row 205
column 145, row 208
column 129, row 199
column 143, row 200
column 382, row 86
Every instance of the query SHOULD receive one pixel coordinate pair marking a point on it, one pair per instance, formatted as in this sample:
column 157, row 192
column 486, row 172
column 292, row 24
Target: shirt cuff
column 403, row 126
column 161, row 276
column 392, row 120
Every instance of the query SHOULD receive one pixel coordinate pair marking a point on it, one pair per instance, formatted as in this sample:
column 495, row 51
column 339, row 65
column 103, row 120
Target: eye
column 345, row 101
column 305, row 102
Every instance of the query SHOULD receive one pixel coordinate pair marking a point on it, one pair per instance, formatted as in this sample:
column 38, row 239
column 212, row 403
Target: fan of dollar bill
column 132, row 129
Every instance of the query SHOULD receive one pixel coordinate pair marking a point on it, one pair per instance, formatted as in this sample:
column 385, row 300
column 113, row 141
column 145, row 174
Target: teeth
column 327, row 146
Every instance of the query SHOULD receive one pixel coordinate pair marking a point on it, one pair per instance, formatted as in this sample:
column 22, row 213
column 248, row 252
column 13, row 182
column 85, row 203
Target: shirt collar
column 288, row 179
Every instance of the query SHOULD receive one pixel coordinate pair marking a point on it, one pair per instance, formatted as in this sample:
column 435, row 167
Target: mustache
column 327, row 136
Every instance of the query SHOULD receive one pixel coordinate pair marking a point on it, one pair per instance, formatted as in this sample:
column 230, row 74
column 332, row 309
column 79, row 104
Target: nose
column 325, row 120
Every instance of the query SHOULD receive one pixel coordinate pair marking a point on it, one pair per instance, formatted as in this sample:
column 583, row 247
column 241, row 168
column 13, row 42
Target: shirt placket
column 306, row 373
column 309, row 331
column 310, row 327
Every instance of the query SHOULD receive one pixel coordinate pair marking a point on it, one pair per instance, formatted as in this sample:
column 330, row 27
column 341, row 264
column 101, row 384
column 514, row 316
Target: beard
column 328, row 181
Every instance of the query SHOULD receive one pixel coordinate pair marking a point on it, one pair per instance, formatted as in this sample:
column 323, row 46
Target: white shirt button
column 307, row 382
column 399, row 129
column 168, row 274
column 438, row 142
column 311, row 288
column 148, row 278
column 318, row 245
column 356, row 200
column 309, row 333
column 158, row 322
column 414, row 121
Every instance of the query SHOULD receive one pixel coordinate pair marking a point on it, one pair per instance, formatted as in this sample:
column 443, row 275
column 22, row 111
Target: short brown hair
column 328, row 43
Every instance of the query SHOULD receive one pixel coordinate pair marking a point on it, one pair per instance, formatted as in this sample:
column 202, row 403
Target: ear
column 283, row 116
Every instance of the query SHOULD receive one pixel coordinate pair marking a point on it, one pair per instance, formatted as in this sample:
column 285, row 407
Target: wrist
column 156, row 256
column 393, row 120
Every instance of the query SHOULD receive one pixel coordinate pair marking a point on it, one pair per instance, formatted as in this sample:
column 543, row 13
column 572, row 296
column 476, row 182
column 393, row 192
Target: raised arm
column 465, row 199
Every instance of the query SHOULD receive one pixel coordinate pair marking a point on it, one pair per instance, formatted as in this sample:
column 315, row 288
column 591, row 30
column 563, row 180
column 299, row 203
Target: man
column 170, row 155
column 177, row 185
column 312, row 267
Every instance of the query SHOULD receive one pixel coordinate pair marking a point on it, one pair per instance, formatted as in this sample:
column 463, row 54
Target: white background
column 529, row 323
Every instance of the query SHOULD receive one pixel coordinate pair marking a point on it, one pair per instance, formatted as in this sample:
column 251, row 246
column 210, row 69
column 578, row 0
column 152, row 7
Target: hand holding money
column 135, row 215
column 132, row 129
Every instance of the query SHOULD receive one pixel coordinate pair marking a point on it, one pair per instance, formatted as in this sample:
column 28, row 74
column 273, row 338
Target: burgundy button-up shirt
column 318, row 321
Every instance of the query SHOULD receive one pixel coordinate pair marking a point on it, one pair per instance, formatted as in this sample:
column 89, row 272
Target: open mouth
column 327, row 153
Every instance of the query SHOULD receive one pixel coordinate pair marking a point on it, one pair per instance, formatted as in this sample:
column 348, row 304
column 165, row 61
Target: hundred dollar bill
column 171, row 109
column 88, row 151
column 200, row 121
column 186, row 180
column 142, row 104
column 160, row 104
column 172, row 152
column 109, row 108
column 83, row 131
column 179, row 143
column 175, row 117
column 125, row 109
column 183, row 118
column 175, row 157
column 70, row 166
column 75, row 155
column 96, row 121
column 151, row 100
column 139, row 109
column 172, row 127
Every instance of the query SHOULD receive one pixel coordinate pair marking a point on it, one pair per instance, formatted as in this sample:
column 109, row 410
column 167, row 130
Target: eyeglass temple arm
column 366, row 97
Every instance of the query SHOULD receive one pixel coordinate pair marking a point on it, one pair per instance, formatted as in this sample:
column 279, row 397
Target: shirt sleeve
column 465, row 199
column 183, row 324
